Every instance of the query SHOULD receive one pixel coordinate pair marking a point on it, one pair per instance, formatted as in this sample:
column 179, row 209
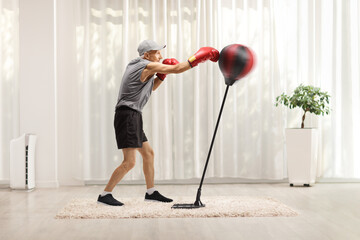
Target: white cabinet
column 301, row 148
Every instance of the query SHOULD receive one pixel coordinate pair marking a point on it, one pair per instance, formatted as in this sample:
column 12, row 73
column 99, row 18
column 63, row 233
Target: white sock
column 105, row 193
column 151, row 191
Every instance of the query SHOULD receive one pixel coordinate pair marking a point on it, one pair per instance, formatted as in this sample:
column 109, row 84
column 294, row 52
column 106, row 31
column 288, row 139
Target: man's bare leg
column 127, row 164
column 147, row 154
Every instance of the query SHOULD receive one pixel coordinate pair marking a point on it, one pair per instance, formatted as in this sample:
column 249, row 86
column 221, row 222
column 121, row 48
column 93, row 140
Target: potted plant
column 301, row 143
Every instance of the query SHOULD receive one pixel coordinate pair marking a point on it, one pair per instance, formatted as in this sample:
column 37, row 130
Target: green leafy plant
column 308, row 98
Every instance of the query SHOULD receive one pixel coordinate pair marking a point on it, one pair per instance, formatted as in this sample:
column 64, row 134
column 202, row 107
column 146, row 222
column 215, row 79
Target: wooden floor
column 327, row 211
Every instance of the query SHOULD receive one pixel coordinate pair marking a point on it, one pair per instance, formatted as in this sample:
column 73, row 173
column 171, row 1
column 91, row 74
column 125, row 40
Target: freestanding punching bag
column 235, row 62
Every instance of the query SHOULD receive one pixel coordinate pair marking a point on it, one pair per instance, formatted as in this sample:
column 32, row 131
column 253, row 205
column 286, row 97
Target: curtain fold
column 9, row 102
column 312, row 42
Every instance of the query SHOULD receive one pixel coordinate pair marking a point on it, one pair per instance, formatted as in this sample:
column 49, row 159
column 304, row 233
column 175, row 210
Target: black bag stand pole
column 198, row 203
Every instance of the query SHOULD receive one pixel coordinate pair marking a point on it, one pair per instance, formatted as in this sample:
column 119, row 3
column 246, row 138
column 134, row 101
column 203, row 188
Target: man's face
column 153, row 56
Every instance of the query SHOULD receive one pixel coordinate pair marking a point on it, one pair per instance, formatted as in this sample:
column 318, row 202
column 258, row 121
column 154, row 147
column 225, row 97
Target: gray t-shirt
column 134, row 93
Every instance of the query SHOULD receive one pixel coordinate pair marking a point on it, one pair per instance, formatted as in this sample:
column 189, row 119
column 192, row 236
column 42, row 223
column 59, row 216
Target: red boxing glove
column 170, row 61
column 167, row 61
column 204, row 54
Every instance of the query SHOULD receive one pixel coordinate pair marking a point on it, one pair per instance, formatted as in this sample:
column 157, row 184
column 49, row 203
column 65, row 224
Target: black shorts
column 128, row 126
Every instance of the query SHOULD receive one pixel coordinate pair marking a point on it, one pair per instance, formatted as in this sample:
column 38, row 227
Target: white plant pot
column 301, row 148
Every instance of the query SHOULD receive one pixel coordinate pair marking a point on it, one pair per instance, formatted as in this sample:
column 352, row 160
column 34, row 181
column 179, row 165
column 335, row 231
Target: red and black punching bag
column 235, row 62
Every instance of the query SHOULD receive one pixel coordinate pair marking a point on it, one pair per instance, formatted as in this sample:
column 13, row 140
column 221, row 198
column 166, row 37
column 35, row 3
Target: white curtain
column 9, row 109
column 312, row 42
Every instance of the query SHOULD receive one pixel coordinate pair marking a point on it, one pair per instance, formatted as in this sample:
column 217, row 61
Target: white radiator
column 22, row 162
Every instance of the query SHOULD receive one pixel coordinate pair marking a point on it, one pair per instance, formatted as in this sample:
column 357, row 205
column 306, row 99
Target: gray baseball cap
column 148, row 45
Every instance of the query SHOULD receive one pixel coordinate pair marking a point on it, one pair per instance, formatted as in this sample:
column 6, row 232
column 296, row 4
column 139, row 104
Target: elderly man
column 137, row 84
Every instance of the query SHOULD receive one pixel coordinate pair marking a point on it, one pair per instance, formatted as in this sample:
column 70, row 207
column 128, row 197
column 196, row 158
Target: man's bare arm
column 156, row 67
column 157, row 83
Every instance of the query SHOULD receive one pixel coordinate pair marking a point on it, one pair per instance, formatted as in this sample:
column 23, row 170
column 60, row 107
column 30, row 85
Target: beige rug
column 215, row 207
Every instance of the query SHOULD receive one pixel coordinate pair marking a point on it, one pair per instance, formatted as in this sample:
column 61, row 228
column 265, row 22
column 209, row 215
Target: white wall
column 37, row 85
column 48, row 88
column 69, row 171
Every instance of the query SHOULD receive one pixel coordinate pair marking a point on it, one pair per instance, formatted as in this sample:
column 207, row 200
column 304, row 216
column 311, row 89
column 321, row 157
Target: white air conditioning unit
column 22, row 162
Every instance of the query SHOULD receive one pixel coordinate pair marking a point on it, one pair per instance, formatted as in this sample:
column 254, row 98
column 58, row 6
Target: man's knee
column 149, row 154
column 128, row 164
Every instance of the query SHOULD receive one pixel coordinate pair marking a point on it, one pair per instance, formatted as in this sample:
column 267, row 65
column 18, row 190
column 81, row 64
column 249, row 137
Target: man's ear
column 146, row 56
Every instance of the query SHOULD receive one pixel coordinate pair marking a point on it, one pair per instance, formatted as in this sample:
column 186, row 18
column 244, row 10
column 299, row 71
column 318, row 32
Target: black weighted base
column 198, row 203
column 187, row 206
column 305, row 185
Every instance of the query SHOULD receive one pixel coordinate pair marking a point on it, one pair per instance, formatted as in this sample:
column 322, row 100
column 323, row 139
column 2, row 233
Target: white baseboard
column 195, row 181
column 55, row 184
column 192, row 181
column 70, row 182
column 338, row 180
column 38, row 184
column 47, row 184
column 4, row 183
